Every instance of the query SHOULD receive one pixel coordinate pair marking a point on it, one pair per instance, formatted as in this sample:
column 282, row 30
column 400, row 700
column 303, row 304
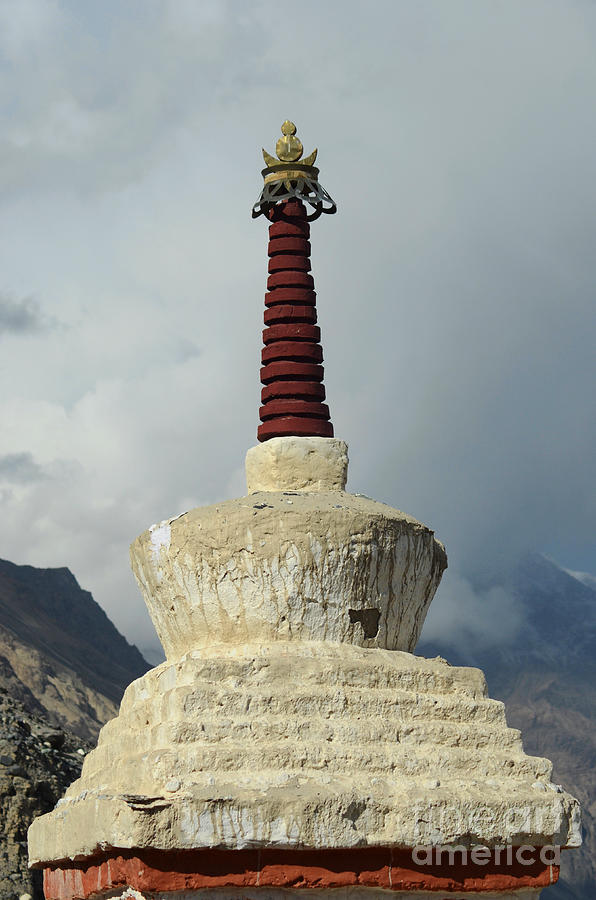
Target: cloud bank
column 21, row 316
column 456, row 284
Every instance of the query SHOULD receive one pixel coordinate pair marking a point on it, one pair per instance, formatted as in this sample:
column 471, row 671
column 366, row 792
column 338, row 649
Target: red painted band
column 291, row 371
column 300, row 295
column 291, row 208
column 378, row 867
column 307, row 390
column 291, row 407
column 289, row 245
column 290, row 279
column 294, row 426
column 288, row 312
column 292, row 331
column 296, row 228
column 292, row 351
column 300, row 351
column 284, row 263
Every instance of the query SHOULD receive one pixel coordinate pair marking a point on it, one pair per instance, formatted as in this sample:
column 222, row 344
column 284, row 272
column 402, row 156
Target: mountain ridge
column 546, row 675
column 61, row 646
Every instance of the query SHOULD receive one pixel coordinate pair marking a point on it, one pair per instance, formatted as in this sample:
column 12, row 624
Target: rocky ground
column 63, row 670
column 37, row 763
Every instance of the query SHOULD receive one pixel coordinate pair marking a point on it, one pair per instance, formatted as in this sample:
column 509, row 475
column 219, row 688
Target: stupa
column 291, row 744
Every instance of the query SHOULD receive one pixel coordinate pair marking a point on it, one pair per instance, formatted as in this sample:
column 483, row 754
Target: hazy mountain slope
column 547, row 678
column 59, row 652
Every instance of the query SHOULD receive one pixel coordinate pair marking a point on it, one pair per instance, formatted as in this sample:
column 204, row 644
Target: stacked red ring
column 292, row 375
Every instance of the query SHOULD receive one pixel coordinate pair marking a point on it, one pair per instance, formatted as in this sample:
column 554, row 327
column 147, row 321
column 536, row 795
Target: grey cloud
column 455, row 286
column 20, row 468
column 186, row 349
column 586, row 578
column 462, row 616
column 21, row 316
column 151, row 70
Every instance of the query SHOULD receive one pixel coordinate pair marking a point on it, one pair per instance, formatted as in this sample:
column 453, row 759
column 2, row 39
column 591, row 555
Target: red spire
column 292, row 373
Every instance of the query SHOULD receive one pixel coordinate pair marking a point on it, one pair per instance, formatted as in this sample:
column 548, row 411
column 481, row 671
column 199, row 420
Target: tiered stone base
column 261, row 874
column 316, row 745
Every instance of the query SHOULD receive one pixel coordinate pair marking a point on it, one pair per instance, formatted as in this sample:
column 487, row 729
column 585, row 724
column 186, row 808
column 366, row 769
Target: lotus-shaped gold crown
column 289, row 148
column 291, row 176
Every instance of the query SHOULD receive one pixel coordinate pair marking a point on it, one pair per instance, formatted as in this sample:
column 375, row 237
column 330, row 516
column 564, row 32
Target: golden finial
column 291, row 176
column 289, row 148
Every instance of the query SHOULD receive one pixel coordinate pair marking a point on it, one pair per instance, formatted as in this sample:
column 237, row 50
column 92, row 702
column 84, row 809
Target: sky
column 456, row 285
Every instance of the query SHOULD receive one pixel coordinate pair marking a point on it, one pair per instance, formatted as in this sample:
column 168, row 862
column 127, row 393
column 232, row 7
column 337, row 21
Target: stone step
column 413, row 795
column 361, row 732
column 380, row 669
column 264, row 700
column 361, row 762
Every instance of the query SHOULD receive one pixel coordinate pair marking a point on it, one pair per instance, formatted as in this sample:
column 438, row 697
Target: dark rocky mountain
column 63, row 670
column 59, row 653
column 547, row 677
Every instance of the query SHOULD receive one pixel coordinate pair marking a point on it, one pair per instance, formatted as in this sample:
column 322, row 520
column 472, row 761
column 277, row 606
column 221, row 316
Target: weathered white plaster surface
column 297, row 464
column 288, row 713
column 289, row 566
column 307, row 745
